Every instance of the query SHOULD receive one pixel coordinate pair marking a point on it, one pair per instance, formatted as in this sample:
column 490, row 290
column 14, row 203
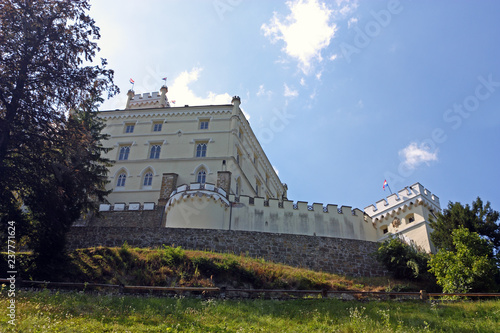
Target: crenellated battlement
column 414, row 192
column 208, row 206
column 148, row 100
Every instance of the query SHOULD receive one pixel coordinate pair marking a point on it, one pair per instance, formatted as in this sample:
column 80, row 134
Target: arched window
column 201, row 150
column 238, row 187
column 155, row 152
column 201, row 177
column 122, row 178
column 124, row 151
column 148, row 179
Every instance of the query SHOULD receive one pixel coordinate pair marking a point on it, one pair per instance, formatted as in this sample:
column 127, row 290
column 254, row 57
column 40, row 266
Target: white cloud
column 306, row 31
column 348, row 8
column 302, row 82
column 182, row 93
column 318, row 75
column 289, row 92
column 352, row 21
column 263, row 92
column 413, row 155
column 276, row 170
column 333, row 57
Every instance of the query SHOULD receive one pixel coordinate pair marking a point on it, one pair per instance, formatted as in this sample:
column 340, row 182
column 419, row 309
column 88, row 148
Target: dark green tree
column 402, row 260
column 50, row 169
column 478, row 218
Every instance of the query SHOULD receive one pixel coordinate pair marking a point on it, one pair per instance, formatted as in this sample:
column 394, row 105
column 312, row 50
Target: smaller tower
column 130, row 95
column 163, row 99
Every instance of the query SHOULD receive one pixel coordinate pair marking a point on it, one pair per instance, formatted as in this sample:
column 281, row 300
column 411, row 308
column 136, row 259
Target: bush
column 403, row 261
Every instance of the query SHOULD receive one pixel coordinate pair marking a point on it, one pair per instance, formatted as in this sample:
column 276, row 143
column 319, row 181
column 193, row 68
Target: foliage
column 404, row 261
column 469, row 268
column 46, row 311
column 476, row 218
column 50, row 164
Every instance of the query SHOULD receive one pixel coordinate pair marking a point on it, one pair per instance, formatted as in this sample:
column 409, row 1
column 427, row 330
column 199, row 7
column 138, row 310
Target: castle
column 205, row 169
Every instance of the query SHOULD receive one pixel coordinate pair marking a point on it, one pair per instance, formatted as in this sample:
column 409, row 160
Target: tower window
column 124, row 151
column 129, row 128
column 155, row 152
column 238, row 187
column 201, row 150
column 157, row 127
column 201, row 177
column 122, row 178
column 257, row 186
column 203, row 124
column 148, row 179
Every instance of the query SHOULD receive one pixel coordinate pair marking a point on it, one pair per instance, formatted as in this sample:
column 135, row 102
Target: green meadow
column 49, row 311
column 44, row 310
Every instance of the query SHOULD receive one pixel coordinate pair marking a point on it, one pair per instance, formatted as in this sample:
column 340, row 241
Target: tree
column 404, row 261
column 478, row 218
column 469, row 268
column 50, row 169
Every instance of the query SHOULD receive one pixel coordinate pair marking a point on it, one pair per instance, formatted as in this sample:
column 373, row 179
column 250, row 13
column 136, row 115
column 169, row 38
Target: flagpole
column 387, row 184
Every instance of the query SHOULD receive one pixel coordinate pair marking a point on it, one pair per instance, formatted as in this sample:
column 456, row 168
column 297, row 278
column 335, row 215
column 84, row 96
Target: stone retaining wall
column 334, row 255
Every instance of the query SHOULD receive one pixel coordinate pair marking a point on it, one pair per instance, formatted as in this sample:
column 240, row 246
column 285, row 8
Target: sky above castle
column 341, row 94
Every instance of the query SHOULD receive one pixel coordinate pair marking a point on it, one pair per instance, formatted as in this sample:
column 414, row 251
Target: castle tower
column 407, row 214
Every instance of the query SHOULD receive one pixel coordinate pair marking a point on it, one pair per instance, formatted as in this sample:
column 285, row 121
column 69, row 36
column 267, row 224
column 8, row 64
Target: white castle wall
column 192, row 207
column 301, row 219
column 208, row 207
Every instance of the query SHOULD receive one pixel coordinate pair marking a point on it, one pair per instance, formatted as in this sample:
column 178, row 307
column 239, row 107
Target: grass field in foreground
column 48, row 311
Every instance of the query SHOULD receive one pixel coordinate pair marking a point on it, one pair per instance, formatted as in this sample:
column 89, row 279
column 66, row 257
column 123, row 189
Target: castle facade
column 204, row 167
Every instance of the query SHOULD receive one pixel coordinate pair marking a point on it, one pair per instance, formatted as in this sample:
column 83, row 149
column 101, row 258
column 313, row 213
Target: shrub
column 402, row 260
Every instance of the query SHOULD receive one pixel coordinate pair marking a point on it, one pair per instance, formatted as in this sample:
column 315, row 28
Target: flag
column 165, row 78
column 385, row 184
column 132, row 81
column 173, row 101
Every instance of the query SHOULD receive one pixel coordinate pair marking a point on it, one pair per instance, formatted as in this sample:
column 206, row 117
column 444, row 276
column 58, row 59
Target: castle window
column 148, row 179
column 410, row 218
column 385, row 229
column 203, row 124
column 129, row 128
column 122, row 178
column 124, row 151
column 238, row 187
column 201, row 177
column 155, row 152
column 157, row 127
column 201, row 150
column 257, row 186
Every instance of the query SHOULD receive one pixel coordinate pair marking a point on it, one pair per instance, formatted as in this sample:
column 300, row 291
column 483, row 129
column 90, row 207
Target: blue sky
column 341, row 94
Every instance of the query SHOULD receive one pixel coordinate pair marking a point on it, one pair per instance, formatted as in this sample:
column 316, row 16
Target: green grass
column 46, row 311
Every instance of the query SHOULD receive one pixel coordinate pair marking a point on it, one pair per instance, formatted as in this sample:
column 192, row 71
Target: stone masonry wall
column 334, row 255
